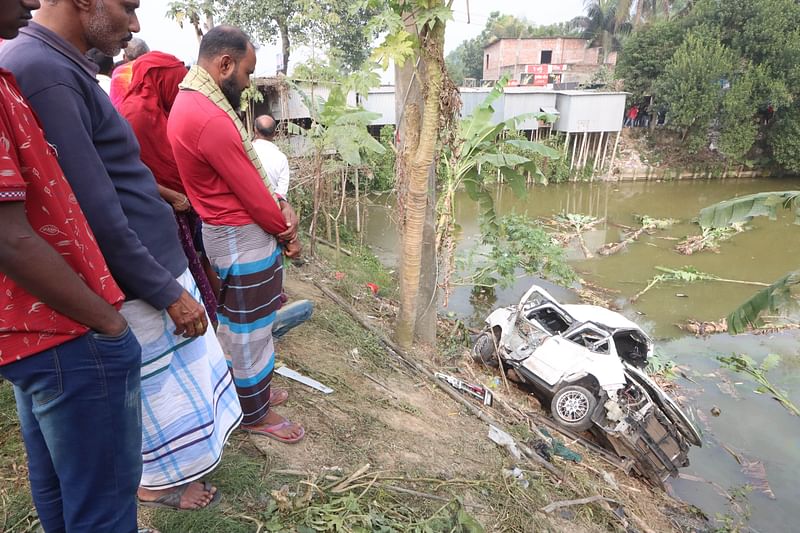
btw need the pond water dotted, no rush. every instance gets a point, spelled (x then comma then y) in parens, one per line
(750, 427)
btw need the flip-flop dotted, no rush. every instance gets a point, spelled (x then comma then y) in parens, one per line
(269, 431)
(172, 500)
(278, 397)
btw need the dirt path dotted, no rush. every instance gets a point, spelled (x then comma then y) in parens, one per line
(431, 466)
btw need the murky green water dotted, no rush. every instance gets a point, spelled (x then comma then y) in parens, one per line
(753, 426)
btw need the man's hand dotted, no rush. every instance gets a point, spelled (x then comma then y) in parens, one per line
(292, 249)
(178, 200)
(115, 325)
(181, 203)
(189, 316)
(291, 222)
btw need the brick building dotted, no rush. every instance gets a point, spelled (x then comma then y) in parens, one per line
(543, 61)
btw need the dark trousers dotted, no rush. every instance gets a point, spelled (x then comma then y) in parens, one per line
(80, 414)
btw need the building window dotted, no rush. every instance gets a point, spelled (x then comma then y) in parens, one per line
(547, 57)
(487, 60)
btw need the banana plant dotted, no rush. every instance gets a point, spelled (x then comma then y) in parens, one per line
(783, 295)
(480, 143)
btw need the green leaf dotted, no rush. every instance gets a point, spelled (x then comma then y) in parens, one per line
(502, 160)
(429, 17)
(743, 209)
(770, 362)
(776, 298)
(467, 522)
(362, 118)
(539, 148)
(396, 47)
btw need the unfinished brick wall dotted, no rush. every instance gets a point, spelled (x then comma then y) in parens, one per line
(509, 56)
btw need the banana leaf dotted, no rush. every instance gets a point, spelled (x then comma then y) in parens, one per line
(776, 298)
(743, 209)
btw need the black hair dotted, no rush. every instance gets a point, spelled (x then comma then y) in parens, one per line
(224, 40)
(266, 131)
(106, 63)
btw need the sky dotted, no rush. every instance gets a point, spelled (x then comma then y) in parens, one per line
(162, 33)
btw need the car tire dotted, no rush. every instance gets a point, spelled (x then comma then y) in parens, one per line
(572, 407)
(484, 350)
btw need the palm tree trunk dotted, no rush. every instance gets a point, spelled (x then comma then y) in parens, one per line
(283, 28)
(416, 199)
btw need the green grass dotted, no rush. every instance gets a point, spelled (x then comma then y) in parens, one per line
(16, 505)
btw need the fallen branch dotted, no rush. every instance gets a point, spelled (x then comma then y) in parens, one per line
(569, 503)
(330, 244)
(342, 486)
(395, 350)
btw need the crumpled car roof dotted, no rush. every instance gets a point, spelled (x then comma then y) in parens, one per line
(599, 315)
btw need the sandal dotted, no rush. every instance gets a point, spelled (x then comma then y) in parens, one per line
(172, 499)
(269, 431)
(278, 397)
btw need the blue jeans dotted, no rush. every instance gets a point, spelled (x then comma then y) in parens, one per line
(290, 316)
(80, 414)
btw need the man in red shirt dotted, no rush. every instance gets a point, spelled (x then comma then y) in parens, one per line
(69, 353)
(245, 225)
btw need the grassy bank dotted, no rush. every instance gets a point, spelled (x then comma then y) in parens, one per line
(387, 451)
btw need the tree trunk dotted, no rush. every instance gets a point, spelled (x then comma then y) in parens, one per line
(198, 31)
(283, 28)
(418, 133)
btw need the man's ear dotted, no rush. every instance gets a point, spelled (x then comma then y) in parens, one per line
(226, 65)
(84, 5)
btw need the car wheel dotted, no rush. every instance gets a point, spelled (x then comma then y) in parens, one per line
(484, 350)
(572, 407)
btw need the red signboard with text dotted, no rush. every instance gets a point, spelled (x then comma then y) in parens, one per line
(540, 80)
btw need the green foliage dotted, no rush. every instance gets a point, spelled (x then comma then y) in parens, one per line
(719, 65)
(744, 208)
(738, 123)
(784, 139)
(645, 55)
(339, 127)
(339, 27)
(691, 85)
(604, 26)
(744, 364)
(381, 165)
(481, 144)
(780, 297)
(517, 244)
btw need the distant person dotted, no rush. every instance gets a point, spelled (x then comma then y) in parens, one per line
(245, 225)
(188, 403)
(105, 64)
(633, 114)
(146, 106)
(121, 77)
(69, 353)
(275, 163)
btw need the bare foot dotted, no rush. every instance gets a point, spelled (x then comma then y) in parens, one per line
(195, 495)
(292, 431)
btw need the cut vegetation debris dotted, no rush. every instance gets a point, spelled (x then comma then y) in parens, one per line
(648, 225)
(572, 226)
(709, 240)
(432, 467)
(688, 274)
